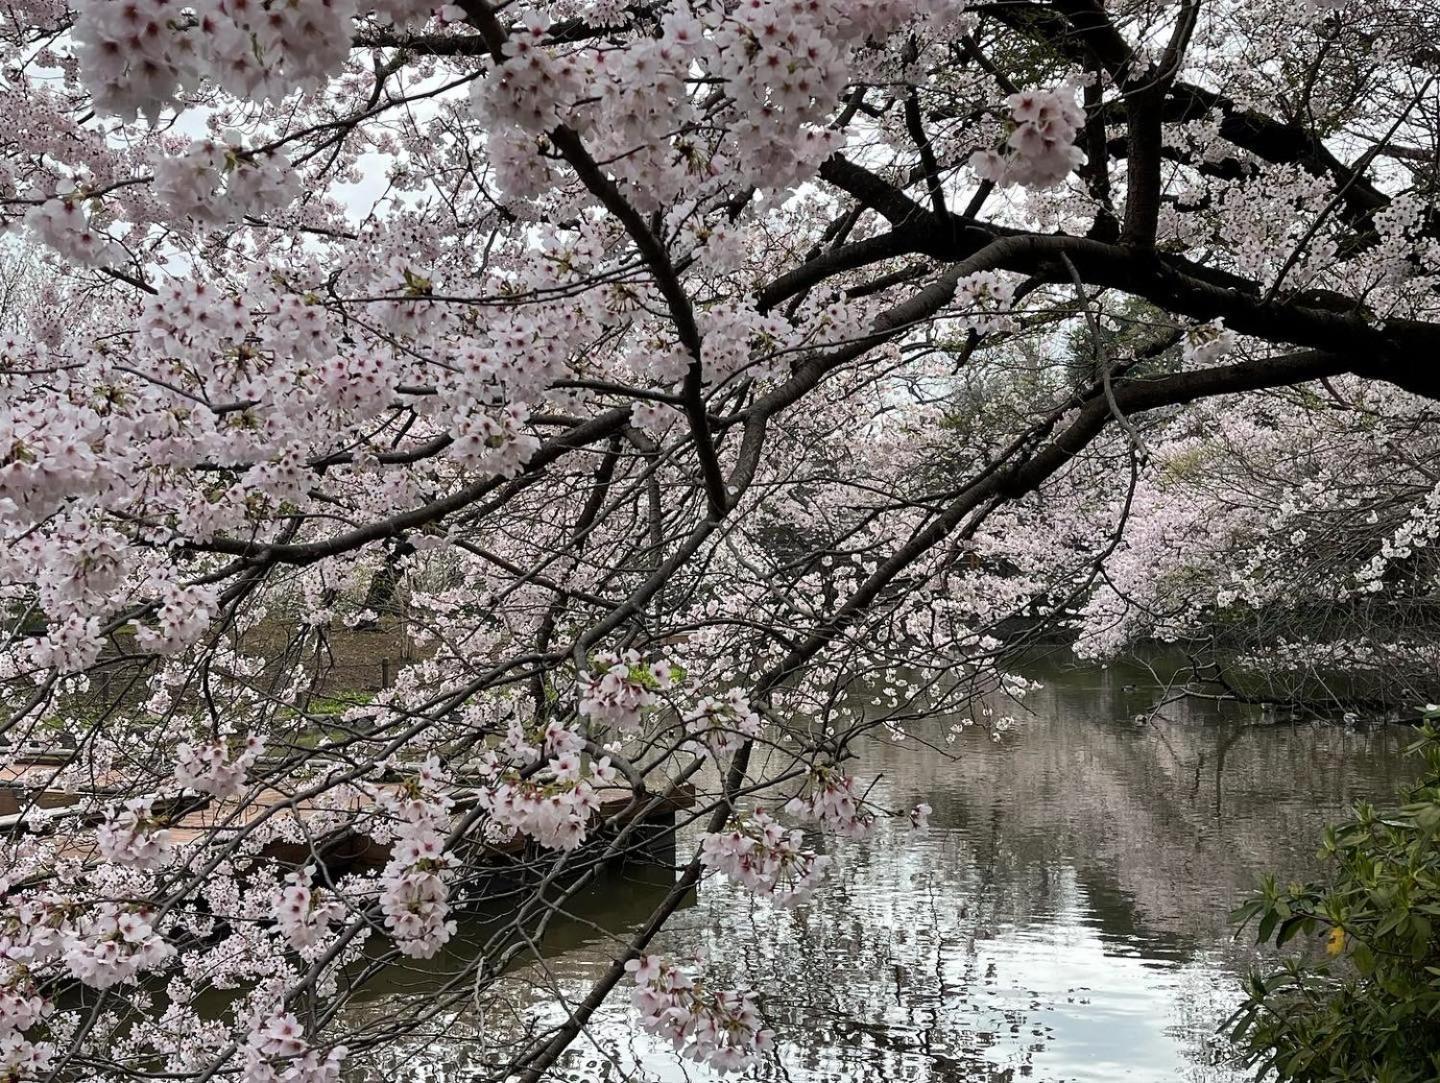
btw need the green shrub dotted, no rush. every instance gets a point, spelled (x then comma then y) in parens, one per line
(1358, 998)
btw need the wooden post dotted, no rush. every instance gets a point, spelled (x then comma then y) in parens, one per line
(384, 673)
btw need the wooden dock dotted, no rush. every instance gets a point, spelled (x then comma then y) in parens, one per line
(31, 803)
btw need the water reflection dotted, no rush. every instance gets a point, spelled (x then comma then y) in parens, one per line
(1064, 918)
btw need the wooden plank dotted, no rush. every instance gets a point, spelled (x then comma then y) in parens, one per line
(345, 847)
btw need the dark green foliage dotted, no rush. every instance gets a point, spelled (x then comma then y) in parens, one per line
(1358, 997)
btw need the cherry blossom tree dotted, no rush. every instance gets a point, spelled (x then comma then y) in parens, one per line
(688, 375)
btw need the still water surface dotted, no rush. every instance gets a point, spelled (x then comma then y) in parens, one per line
(1063, 918)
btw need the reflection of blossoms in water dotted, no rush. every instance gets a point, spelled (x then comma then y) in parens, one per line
(1055, 936)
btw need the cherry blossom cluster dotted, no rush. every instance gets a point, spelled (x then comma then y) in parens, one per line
(215, 182)
(22, 1059)
(733, 330)
(22, 1008)
(1040, 149)
(78, 568)
(32, 932)
(63, 223)
(833, 801)
(985, 299)
(533, 88)
(277, 1051)
(1356, 656)
(1209, 342)
(132, 836)
(51, 456)
(525, 745)
(653, 417)
(305, 912)
(618, 689)
(761, 854)
(217, 767)
(494, 442)
(414, 895)
(113, 944)
(555, 810)
(182, 616)
(68, 646)
(543, 786)
(145, 55)
(781, 63)
(719, 725)
(1420, 529)
(1312, 524)
(720, 1028)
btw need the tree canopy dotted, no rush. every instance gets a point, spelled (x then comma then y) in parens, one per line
(663, 381)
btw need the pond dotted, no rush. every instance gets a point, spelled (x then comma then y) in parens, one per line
(1063, 918)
